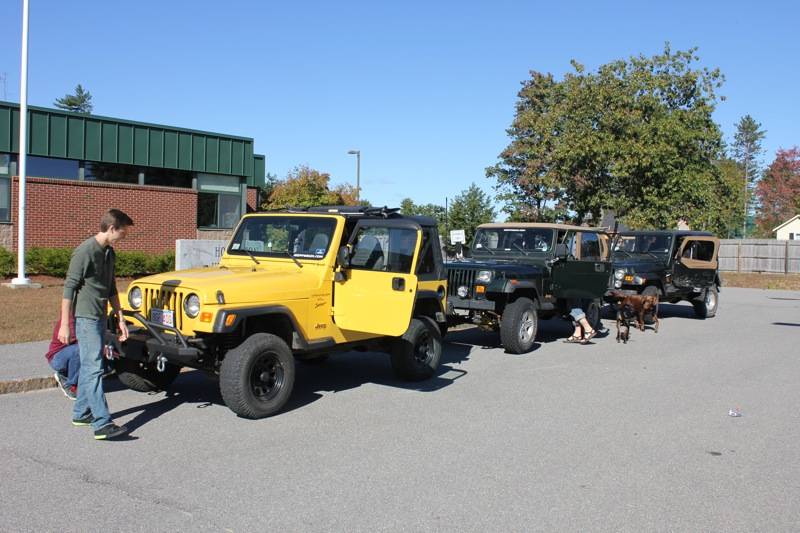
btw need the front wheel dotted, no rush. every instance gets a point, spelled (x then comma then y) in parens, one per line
(256, 377)
(593, 312)
(143, 377)
(518, 326)
(416, 355)
(705, 305)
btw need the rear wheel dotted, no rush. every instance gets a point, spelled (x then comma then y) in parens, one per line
(416, 355)
(705, 305)
(257, 377)
(518, 326)
(143, 377)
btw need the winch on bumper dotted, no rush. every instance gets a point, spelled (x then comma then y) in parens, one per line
(155, 343)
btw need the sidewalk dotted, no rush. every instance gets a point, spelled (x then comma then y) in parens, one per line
(24, 368)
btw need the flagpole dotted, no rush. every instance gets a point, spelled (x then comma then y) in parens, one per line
(21, 280)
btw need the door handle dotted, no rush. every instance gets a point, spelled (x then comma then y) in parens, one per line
(398, 284)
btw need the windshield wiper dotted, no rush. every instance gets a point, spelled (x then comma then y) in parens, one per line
(518, 247)
(484, 250)
(622, 252)
(298, 263)
(248, 252)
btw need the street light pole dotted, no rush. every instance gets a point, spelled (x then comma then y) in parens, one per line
(357, 153)
(21, 280)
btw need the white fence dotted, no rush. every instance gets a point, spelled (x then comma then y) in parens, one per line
(759, 255)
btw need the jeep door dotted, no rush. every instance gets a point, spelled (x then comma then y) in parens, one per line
(696, 262)
(584, 273)
(378, 289)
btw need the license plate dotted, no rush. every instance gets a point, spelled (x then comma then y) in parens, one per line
(164, 317)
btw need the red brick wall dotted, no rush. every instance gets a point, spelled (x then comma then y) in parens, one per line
(252, 198)
(63, 213)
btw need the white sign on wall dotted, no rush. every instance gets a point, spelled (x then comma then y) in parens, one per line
(195, 253)
(457, 235)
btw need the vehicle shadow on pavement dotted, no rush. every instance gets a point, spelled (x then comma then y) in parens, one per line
(350, 370)
(189, 387)
(552, 330)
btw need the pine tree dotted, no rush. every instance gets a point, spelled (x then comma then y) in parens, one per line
(80, 102)
(746, 150)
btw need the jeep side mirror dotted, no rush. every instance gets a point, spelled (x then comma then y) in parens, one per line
(343, 257)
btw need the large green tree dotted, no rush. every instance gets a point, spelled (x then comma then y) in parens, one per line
(746, 150)
(80, 102)
(470, 209)
(437, 212)
(306, 187)
(636, 136)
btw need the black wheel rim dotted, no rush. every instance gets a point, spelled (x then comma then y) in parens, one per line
(266, 377)
(423, 349)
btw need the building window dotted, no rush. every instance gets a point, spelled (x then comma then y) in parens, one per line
(168, 177)
(216, 210)
(50, 167)
(219, 201)
(5, 188)
(112, 172)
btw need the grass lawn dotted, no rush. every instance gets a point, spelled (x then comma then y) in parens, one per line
(787, 282)
(30, 314)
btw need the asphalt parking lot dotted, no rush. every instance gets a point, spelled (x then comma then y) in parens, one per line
(601, 437)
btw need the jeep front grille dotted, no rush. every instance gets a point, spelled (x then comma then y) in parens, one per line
(458, 277)
(163, 299)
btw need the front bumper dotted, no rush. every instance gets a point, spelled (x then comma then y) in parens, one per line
(152, 340)
(454, 302)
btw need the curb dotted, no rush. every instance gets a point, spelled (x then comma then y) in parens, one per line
(27, 385)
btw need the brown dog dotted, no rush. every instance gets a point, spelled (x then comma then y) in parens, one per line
(634, 307)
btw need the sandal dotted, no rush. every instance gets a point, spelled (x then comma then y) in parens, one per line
(589, 336)
(572, 339)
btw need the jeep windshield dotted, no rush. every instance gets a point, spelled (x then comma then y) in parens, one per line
(283, 236)
(646, 244)
(513, 241)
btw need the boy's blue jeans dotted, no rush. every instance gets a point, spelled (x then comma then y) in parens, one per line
(91, 397)
(67, 361)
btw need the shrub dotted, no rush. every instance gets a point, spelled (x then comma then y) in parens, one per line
(55, 262)
(48, 261)
(8, 263)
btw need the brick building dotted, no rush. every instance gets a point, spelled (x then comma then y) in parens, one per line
(174, 182)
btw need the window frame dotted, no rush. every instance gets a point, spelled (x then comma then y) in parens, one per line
(218, 212)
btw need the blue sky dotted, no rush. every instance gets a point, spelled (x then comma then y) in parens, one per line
(424, 89)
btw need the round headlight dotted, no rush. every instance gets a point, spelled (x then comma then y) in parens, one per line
(619, 273)
(617, 284)
(135, 297)
(463, 292)
(484, 276)
(192, 305)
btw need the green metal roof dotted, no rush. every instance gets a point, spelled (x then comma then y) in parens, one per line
(63, 134)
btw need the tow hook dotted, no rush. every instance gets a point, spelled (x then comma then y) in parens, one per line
(161, 363)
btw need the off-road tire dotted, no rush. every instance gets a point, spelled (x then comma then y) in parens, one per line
(594, 313)
(706, 305)
(416, 355)
(519, 325)
(651, 290)
(143, 377)
(256, 378)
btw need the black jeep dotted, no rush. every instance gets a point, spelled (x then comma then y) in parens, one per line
(673, 265)
(520, 272)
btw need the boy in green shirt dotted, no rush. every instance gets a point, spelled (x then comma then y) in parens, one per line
(89, 287)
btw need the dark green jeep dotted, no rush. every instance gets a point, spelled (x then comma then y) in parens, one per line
(673, 265)
(520, 272)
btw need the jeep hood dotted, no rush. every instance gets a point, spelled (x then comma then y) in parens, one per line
(509, 268)
(239, 284)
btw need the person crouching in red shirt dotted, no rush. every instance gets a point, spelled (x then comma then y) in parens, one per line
(65, 359)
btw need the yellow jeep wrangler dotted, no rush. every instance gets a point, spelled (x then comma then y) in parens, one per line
(294, 284)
